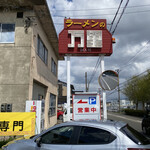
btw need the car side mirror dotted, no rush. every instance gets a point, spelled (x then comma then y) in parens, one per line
(38, 142)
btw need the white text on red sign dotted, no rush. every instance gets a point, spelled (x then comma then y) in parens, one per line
(93, 38)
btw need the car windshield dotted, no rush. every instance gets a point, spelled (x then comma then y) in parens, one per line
(135, 136)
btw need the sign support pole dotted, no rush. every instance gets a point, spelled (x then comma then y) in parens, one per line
(68, 88)
(104, 92)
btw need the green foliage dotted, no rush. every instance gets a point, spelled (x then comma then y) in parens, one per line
(138, 113)
(137, 89)
(5, 141)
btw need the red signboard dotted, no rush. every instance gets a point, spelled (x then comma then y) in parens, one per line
(85, 37)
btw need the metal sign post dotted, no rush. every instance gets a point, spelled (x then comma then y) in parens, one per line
(68, 88)
(104, 93)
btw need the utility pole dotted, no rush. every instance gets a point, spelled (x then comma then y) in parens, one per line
(118, 89)
(86, 86)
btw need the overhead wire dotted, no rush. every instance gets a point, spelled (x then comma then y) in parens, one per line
(122, 84)
(97, 9)
(95, 70)
(126, 82)
(98, 61)
(96, 15)
(120, 17)
(131, 59)
(115, 15)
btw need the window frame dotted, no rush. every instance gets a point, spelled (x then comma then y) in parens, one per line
(42, 51)
(1, 31)
(109, 142)
(70, 138)
(73, 138)
(52, 107)
(53, 67)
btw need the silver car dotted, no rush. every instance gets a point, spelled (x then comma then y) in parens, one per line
(85, 135)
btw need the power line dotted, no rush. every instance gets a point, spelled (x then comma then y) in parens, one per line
(95, 69)
(131, 59)
(134, 6)
(96, 15)
(120, 17)
(127, 81)
(115, 15)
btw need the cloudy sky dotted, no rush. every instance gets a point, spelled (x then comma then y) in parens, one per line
(131, 52)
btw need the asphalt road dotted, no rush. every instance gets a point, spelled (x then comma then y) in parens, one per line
(134, 122)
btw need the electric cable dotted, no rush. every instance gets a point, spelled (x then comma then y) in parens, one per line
(115, 15)
(131, 59)
(94, 71)
(97, 9)
(120, 17)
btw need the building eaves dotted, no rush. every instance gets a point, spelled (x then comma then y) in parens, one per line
(43, 14)
(21, 3)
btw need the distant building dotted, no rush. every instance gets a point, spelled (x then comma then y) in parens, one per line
(62, 92)
(113, 105)
(29, 56)
(126, 103)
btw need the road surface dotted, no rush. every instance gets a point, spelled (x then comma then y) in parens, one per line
(134, 122)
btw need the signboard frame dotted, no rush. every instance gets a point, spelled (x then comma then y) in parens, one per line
(86, 116)
(77, 35)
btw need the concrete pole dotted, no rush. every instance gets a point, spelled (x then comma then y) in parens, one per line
(118, 71)
(86, 86)
(68, 88)
(104, 93)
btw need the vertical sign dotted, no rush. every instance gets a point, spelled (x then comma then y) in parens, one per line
(38, 107)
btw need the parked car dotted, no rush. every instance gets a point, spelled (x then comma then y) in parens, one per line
(146, 122)
(85, 135)
(60, 114)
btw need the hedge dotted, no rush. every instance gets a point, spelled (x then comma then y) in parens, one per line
(138, 113)
(5, 141)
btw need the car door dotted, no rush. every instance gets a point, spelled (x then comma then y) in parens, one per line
(56, 139)
(91, 138)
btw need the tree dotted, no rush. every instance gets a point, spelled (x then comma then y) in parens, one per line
(138, 89)
(131, 90)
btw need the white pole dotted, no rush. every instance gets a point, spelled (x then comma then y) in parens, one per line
(104, 93)
(68, 88)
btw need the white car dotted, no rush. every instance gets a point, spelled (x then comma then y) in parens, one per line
(86, 135)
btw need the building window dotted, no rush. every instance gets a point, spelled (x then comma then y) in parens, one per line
(19, 14)
(42, 51)
(53, 67)
(7, 33)
(52, 105)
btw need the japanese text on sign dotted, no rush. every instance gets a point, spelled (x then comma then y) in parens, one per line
(21, 123)
(86, 106)
(93, 38)
(4, 125)
(91, 23)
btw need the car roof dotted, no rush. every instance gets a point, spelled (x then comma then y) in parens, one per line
(108, 125)
(102, 123)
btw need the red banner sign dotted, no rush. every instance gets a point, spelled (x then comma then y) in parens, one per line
(85, 37)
